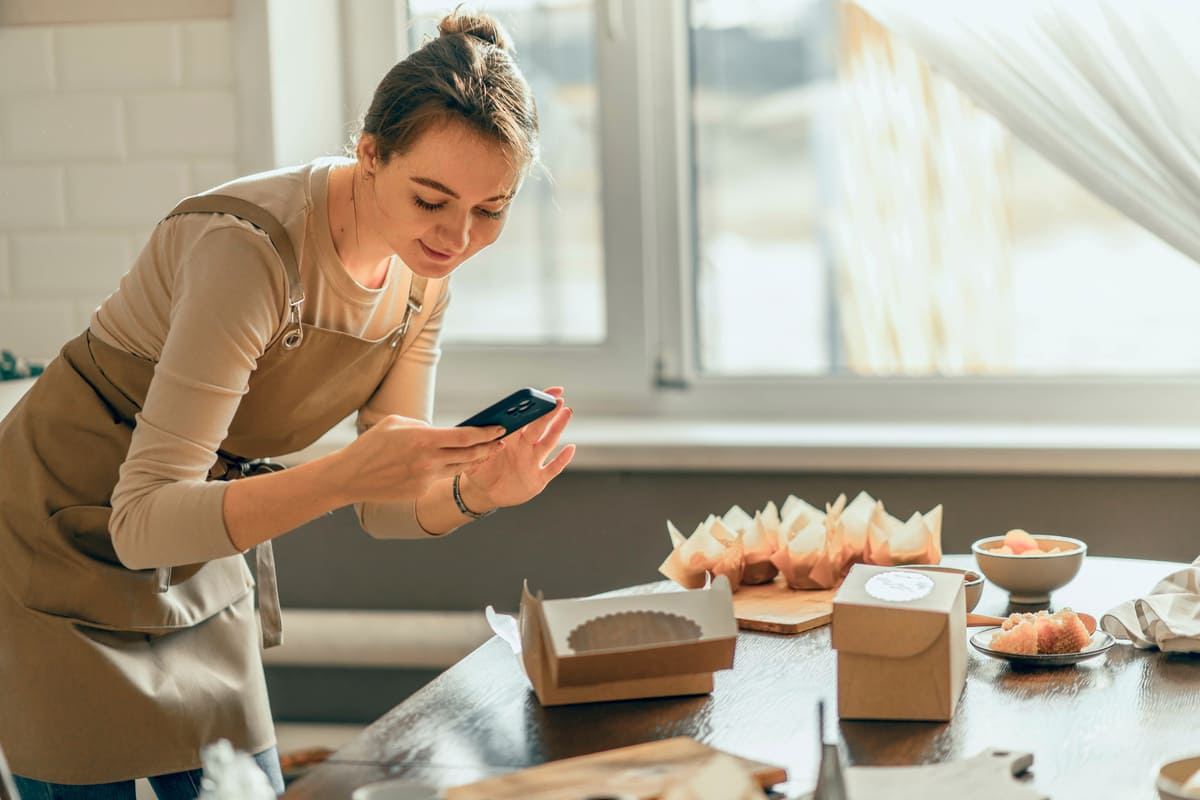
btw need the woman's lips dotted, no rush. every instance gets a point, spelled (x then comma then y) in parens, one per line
(436, 255)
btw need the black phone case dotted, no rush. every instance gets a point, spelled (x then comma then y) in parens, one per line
(515, 411)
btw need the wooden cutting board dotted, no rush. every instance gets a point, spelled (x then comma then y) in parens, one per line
(642, 771)
(987, 776)
(775, 608)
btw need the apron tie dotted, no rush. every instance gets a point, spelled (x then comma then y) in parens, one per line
(270, 615)
(269, 611)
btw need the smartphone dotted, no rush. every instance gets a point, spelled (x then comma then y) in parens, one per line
(515, 411)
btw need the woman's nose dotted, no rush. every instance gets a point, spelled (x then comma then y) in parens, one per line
(456, 235)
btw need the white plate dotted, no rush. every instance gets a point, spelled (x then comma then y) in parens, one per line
(1100, 644)
(397, 789)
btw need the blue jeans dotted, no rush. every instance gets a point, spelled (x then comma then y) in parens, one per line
(175, 786)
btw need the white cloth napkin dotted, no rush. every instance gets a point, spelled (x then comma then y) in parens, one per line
(1168, 618)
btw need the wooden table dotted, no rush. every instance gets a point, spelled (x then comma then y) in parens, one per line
(1097, 730)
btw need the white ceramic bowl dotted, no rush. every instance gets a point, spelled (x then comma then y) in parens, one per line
(1030, 579)
(1172, 776)
(972, 581)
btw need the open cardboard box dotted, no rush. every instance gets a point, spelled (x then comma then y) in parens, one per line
(583, 650)
(899, 657)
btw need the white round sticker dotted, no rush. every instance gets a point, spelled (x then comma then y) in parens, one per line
(899, 587)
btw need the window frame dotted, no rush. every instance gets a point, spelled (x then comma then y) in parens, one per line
(613, 372)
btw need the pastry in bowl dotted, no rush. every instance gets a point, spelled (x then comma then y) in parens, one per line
(1029, 566)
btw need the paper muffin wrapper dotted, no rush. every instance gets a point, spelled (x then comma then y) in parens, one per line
(631, 629)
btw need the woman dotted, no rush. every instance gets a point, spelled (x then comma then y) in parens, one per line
(257, 316)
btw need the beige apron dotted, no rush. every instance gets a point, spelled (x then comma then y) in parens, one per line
(108, 673)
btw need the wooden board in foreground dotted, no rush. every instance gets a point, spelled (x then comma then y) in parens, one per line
(775, 608)
(642, 771)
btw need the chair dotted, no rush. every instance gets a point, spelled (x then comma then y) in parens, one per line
(8, 787)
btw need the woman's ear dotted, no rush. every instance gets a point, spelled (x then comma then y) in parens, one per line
(367, 152)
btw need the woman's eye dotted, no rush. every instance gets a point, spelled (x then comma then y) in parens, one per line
(425, 205)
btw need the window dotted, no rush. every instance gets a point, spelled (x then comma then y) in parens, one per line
(760, 73)
(900, 228)
(560, 298)
(543, 280)
(771, 208)
(1093, 291)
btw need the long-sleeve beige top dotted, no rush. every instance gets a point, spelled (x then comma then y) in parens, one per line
(203, 301)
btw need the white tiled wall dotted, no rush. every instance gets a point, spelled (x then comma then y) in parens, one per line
(103, 128)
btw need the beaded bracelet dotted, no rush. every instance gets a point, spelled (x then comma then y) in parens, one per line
(458, 501)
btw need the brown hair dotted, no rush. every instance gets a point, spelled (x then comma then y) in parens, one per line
(466, 74)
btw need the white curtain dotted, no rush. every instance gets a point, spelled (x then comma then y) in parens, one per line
(1105, 89)
(920, 232)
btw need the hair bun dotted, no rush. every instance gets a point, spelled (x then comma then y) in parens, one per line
(481, 26)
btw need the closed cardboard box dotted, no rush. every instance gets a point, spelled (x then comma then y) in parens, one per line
(901, 644)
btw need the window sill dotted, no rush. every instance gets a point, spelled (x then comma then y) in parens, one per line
(614, 443)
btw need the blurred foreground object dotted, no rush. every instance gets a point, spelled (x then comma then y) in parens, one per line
(232, 775)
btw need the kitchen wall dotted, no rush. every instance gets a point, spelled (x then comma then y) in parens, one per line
(592, 531)
(104, 126)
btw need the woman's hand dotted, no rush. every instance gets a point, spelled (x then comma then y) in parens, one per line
(518, 471)
(400, 458)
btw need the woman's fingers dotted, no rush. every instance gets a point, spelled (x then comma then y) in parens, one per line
(558, 463)
(450, 438)
(534, 430)
(539, 474)
(553, 429)
(467, 455)
(450, 450)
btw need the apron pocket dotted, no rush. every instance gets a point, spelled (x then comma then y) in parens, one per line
(76, 574)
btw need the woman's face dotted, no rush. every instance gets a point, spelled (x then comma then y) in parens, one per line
(443, 200)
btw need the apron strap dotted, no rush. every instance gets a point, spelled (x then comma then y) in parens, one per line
(269, 612)
(265, 221)
(416, 302)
